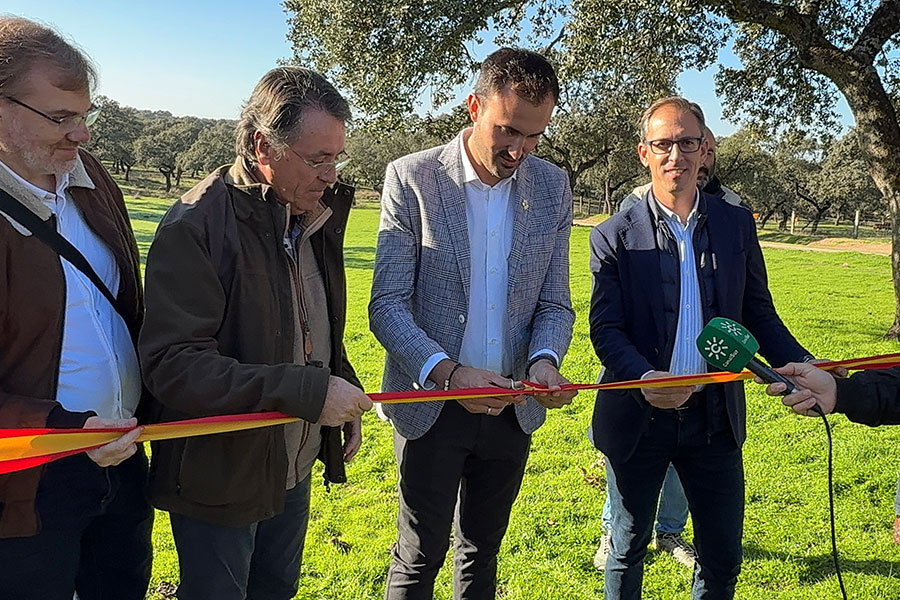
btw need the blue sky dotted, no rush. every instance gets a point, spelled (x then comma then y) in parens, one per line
(202, 58)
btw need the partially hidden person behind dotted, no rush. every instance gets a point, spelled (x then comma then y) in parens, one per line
(246, 305)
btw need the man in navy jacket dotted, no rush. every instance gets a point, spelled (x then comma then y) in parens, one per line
(661, 270)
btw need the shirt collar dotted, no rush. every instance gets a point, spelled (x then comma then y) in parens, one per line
(78, 177)
(669, 214)
(469, 174)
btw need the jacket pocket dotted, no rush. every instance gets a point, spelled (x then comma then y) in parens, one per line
(226, 468)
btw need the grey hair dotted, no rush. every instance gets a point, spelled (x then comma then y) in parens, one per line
(278, 104)
(25, 45)
(677, 102)
(527, 73)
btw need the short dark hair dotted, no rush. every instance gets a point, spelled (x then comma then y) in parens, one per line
(277, 106)
(527, 73)
(25, 45)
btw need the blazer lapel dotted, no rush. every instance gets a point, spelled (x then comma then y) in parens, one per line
(719, 241)
(452, 197)
(640, 239)
(522, 196)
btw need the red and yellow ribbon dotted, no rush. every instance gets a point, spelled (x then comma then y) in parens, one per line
(25, 448)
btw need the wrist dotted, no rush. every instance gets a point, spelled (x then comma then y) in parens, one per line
(449, 379)
(538, 358)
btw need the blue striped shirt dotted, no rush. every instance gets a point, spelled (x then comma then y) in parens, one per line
(686, 358)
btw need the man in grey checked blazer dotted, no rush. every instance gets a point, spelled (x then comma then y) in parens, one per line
(471, 289)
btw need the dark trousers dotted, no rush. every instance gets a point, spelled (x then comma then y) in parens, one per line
(710, 467)
(478, 459)
(94, 535)
(258, 562)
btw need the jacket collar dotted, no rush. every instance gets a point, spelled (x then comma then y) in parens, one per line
(242, 176)
(29, 197)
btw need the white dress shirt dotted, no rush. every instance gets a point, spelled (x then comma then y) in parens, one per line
(490, 216)
(98, 368)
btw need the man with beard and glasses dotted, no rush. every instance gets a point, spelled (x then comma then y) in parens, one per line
(471, 289)
(67, 358)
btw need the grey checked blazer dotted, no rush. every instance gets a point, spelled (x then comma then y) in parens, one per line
(420, 291)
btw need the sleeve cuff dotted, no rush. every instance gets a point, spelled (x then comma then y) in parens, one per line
(548, 352)
(429, 366)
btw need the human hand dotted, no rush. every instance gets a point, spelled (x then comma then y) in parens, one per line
(837, 372)
(343, 402)
(352, 438)
(470, 377)
(118, 451)
(818, 387)
(670, 397)
(545, 373)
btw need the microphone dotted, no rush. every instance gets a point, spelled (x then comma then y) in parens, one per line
(727, 345)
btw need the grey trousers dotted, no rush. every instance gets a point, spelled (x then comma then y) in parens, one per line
(258, 562)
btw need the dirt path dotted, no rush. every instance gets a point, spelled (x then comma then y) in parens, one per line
(829, 245)
(834, 245)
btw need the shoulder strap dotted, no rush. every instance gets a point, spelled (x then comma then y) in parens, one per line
(45, 233)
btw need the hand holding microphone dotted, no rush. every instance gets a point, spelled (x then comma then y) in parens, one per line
(728, 345)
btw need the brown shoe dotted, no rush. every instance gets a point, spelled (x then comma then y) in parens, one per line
(897, 530)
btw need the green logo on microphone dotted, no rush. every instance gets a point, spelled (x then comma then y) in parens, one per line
(726, 345)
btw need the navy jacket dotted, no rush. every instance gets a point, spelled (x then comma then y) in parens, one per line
(629, 329)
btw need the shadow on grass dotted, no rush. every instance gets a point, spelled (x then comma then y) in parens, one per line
(359, 257)
(814, 568)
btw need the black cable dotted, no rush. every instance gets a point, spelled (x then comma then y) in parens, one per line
(834, 550)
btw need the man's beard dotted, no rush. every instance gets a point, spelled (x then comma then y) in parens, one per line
(40, 159)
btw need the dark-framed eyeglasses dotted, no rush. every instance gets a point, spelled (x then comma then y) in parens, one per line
(687, 145)
(70, 122)
(324, 167)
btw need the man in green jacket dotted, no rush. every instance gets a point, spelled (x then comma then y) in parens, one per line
(245, 312)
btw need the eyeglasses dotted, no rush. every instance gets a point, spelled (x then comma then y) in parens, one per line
(324, 167)
(69, 123)
(688, 145)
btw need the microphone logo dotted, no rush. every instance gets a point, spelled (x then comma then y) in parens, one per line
(715, 348)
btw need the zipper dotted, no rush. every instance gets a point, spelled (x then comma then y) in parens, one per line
(303, 317)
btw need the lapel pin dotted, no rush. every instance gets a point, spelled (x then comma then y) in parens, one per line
(525, 205)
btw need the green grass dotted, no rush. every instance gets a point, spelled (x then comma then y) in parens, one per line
(838, 305)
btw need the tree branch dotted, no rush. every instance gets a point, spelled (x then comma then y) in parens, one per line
(555, 41)
(884, 23)
(815, 49)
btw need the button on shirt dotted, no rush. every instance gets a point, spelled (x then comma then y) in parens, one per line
(98, 368)
(490, 217)
(686, 358)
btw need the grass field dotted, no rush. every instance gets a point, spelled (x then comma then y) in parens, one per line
(838, 305)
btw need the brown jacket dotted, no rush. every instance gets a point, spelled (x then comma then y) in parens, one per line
(218, 339)
(32, 306)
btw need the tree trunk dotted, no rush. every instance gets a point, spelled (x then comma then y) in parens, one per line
(178, 173)
(879, 142)
(127, 171)
(764, 218)
(168, 175)
(782, 224)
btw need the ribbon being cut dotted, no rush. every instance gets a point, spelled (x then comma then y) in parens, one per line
(26, 448)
